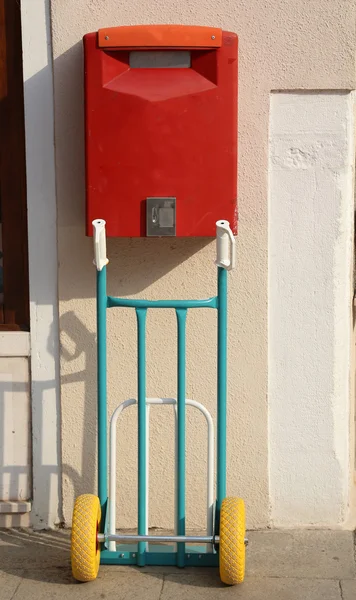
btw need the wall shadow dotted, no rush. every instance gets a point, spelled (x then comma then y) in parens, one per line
(12, 473)
(84, 343)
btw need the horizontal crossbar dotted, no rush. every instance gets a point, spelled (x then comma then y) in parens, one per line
(159, 539)
(137, 303)
(133, 539)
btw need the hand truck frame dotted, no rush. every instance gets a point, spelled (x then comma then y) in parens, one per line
(94, 537)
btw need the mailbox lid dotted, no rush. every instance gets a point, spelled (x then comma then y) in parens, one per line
(159, 36)
(161, 132)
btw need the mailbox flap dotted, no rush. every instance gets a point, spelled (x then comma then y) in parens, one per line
(160, 36)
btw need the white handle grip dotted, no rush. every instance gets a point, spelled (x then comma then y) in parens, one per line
(100, 259)
(225, 246)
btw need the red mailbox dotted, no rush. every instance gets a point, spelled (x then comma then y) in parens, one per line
(161, 129)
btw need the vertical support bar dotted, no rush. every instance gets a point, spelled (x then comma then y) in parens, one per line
(141, 314)
(147, 467)
(101, 305)
(222, 388)
(176, 470)
(181, 324)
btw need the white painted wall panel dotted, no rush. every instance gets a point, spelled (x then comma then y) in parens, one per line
(311, 156)
(43, 263)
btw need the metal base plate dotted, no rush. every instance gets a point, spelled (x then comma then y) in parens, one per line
(160, 555)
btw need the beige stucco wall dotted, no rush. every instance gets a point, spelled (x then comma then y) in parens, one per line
(283, 45)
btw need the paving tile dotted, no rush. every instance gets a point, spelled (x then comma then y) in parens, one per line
(58, 583)
(191, 587)
(281, 565)
(8, 584)
(348, 589)
(309, 553)
(19, 546)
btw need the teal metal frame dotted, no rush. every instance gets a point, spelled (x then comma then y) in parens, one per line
(161, 555)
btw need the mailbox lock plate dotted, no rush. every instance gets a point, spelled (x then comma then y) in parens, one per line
(160, 216)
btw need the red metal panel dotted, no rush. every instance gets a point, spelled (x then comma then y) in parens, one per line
(157, 132)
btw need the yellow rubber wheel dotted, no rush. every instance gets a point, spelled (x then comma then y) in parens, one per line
(85, 550)
(232, 541)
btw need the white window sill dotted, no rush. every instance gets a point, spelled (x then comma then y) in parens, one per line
(14, 343)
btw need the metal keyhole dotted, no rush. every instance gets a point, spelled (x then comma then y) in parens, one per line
(154, 215)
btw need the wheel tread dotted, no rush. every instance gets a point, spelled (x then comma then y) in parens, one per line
(85, 555)
(232, 541)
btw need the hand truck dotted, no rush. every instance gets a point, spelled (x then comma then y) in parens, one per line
(94, 538)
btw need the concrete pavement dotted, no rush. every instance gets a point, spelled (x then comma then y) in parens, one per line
(281, 565)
